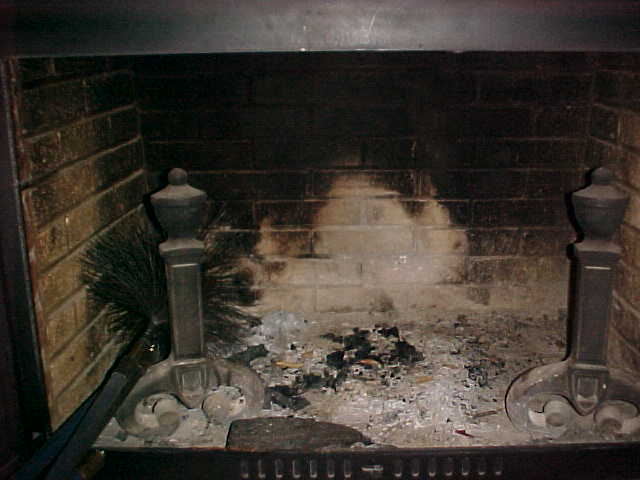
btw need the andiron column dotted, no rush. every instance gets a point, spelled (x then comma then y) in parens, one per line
(583, 391)
(188, 376)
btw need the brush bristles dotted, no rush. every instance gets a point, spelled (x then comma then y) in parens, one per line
(125, 274)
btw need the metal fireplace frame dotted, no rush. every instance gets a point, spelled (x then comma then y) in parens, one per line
(138, 27)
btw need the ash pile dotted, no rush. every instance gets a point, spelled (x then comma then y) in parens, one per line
(342, 363)
(409, 385)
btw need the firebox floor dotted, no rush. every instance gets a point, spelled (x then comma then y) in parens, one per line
(420, 382)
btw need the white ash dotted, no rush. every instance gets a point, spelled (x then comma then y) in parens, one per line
(454, 396)
(458, 386)
(276, 328)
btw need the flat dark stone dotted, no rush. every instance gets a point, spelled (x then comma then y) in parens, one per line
(278, 433)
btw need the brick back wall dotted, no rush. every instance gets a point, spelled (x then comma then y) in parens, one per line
(81, 172)
(615, 142)
(368, 182)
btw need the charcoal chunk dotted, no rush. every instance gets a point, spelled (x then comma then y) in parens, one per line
(389, 332)
(247, 356)
(285, 397)
(333, 337)
(356, 340)
(336, 359)
(406, 353)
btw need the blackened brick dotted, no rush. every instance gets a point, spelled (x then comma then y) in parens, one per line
(514, 271)
(271, 122)
(238, 186)
(69, 186)
(286, 214)
(472, 184)
(50, 244)
(124, 126)
(513, 213)
(105, 93)
(51, 106)
(495, 271)
(630, 240)
(81, 388)
(630, 130)
(99, 211)
(33, 69)
(70, 362)
(558, 154)
(256, 122)
(364, 88)
(361, 121)
(600, 153)
(604, 123)
(117, 164)
(280, 153)
(48, 199)
(282, 185)
(80, 65)
(496, 88)
(619, 89)
(163, 65)
(628, 170)
(335, 153)
(537, 88)
(505, 153)
(625, 321)
(177, 126)
(225, 186)
(493, 242)
(123, 198)
(528, 153)
(442, 87)
(562, 122)
(199, 155)
(63, 279)
(618, 60)
(445, 152)
(192, 93)
(525, 61)
(544, 241)
(243, 242)
(234, 214)
(553, 183)
(290, 88)
(486, 122)
(84, 138)
(41, 155)
(627, 284)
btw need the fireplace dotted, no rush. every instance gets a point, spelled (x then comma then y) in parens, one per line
(364, 184)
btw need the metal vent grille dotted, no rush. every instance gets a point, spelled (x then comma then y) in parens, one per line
(330, 468)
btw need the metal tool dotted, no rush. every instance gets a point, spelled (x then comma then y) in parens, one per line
(187, 376)
(583, 391)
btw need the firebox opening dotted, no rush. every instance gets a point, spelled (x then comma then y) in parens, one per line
(424, 191)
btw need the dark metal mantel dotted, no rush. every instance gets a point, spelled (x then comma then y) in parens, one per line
(98, 27)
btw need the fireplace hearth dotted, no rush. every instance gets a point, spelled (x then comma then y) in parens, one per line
(421, 190)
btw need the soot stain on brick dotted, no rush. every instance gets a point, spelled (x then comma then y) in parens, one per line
(401, 182)
(383, 303)
(274, 268)
(413, 209)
